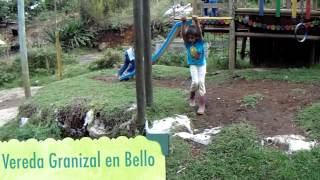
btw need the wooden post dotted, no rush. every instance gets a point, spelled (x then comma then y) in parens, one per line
(140, 81)
(48, 66)
(59, 54)
(147, 52)
(23, 49)
(232, 42)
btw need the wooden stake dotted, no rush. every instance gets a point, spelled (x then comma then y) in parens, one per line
(59, 54)
(23, 49)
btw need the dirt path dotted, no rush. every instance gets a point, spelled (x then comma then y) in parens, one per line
(10, 100)
(273, 115)
(89, 57)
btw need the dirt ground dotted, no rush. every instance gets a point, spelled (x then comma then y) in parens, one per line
(273, 115)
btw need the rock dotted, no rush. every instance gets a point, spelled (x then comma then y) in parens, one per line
(98, 129)
(23, 121)
(89, 118)
(102, 46)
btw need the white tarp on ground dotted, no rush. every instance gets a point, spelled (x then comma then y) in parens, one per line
(204, 138)
(179, 10)
(180, 125)
(170, 125)
(292, 142)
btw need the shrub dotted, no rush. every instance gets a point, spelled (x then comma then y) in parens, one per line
(109, 60)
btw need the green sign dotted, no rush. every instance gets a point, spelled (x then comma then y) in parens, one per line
(121, 158)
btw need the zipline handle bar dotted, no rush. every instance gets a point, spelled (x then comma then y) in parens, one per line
(208, 18)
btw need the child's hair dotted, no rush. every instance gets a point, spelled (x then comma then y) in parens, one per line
(192, 30)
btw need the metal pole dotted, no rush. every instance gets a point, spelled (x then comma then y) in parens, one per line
(140, 82)
(147, 52)
(23, 49)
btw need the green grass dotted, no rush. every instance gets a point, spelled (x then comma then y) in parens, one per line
(236, 154)
(300, 75)
(41, 79)
(40, 131)
(250, 101)
(161, 71)
(180, 153)
(309, 120)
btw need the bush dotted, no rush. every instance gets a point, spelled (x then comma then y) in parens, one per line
(109, 60)
(6, 74)
(42, 60)
(3, 50)
(38, 59)
(173, 59)
(217, 60)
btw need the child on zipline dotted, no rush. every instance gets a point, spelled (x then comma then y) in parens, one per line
(128, 69)
(193, 40)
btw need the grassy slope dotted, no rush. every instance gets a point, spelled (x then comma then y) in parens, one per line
(111, 99)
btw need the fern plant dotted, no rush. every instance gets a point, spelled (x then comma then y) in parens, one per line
(72, 35)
